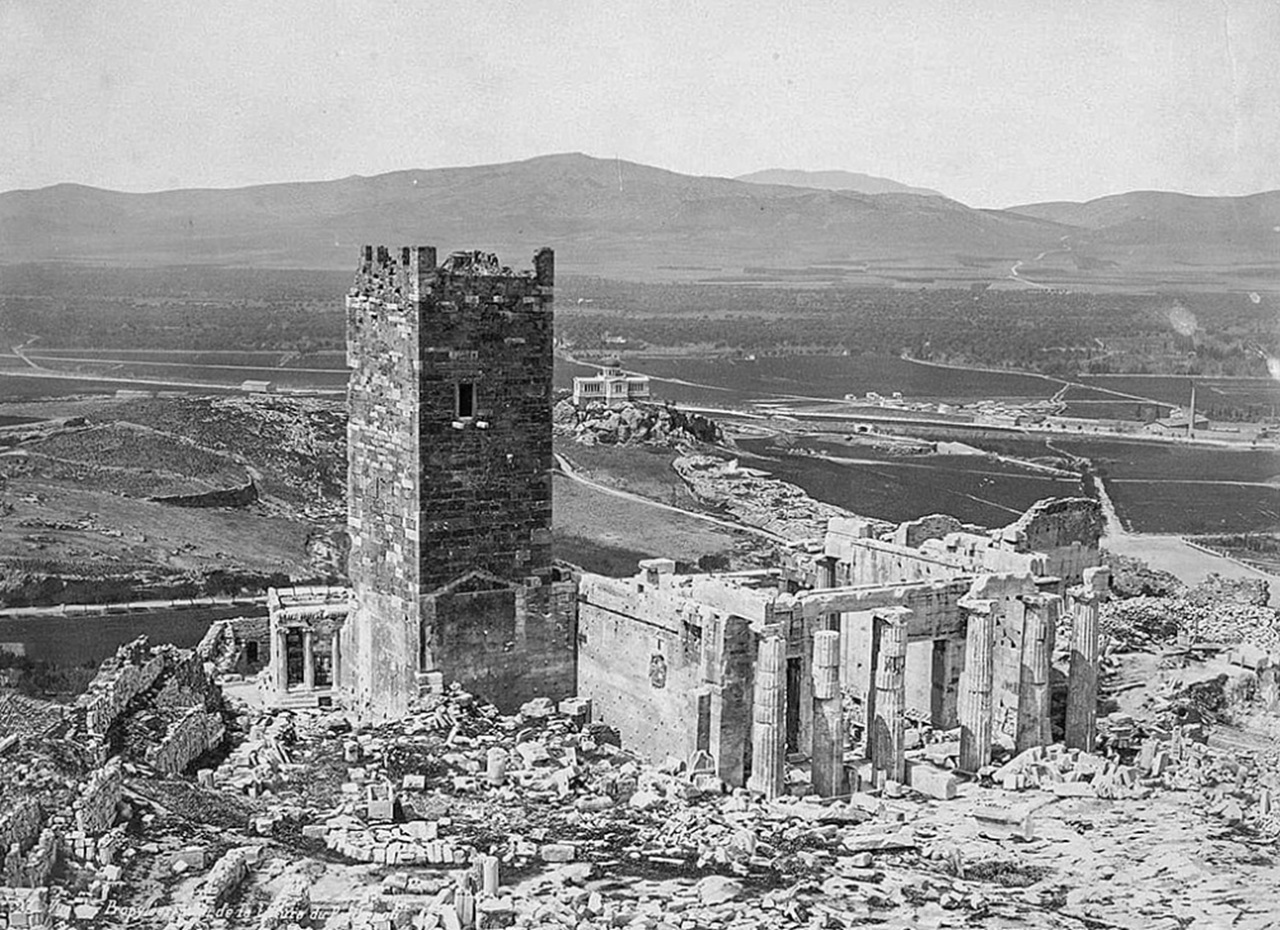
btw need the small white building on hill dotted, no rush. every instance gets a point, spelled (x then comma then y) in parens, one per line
(611, 386)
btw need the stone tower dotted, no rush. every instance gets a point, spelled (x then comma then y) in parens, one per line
(449, 480)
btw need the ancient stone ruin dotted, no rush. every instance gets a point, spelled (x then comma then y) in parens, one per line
(957, 630)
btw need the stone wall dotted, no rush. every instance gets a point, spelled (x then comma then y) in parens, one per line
(131, 671)
(380, 642)
(241, 496)
(977, 553)
(185, 682)
(32, 869)
(194, 734)
(673, 675)
(1066, 530)
(21, 825)
(914, 532)
(1055, 538)
(95, 808)
(510, 642)
(873, 562)
(1008, 592)
(227, 645)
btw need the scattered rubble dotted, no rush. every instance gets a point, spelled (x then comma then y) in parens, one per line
(755, 498)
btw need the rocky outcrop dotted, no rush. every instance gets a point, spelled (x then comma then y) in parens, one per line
(653, 424)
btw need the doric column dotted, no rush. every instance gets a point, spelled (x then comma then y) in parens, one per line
(888, 725)
(335, 657)
(769, 719)
(1082, 676)
(975, 708)
(828, 717)
(308, 660)
(1042, 612)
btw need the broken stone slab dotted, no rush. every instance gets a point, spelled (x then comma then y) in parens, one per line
(942, 753)
(538, 709)
(557, 852)
(718, 889)
(1001, 822)
(932, 781)
(867, 842)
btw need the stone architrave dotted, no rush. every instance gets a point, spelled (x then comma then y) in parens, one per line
(769, 719)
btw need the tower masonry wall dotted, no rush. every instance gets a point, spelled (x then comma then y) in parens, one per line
(449, 446)
(486, 500)
(383, 479)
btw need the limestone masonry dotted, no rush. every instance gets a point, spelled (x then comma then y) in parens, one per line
(449, 445)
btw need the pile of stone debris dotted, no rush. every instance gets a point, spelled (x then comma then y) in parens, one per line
(471, 818)
(1210, 612)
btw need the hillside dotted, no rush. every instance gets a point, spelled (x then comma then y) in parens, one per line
(604, 216)
(835, 181)
(1180, 227)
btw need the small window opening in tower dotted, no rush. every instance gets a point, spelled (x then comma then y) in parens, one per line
(466, 400)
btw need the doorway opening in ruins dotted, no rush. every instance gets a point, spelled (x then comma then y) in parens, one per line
(324, 669)
(294, 662)
(794, 670)
(938, 683)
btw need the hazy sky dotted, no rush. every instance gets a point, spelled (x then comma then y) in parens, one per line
(993, 102)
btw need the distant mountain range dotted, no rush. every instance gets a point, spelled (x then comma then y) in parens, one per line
(1179, 226)
(834, 181)
(611, 217)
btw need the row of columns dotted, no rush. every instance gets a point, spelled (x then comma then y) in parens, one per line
(886, 705)
(886, 713)
(280, 658)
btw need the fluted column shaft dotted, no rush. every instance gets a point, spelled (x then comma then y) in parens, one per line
(769, 719)
(828, 716)
(1042, 612)
(1082, 675)
(975, 708)
(887, 727)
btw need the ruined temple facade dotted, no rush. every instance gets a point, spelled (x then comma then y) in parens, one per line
(449, 482)
(947, 624)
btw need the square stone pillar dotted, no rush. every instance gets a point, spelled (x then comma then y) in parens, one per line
(308, 660)
(280, 660)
